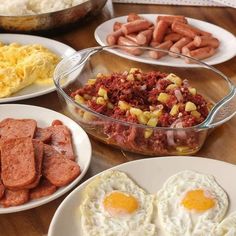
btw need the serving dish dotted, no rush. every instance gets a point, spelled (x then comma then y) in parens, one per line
(35, 90)
(44, 118)
(155, 171)
(86, 64)
(226, 50)
(51, 20)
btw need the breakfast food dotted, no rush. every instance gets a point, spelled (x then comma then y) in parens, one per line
(172, 29)
(191, 203)
(114, 205)
(23, 65)
(150, 99)
(31, 7)
(227, 227)
(28, 170)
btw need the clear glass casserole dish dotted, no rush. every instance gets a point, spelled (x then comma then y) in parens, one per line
(145, 138)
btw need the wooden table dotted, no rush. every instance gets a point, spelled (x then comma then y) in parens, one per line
(221, 144)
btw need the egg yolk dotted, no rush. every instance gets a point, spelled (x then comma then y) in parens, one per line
(119, 204)
(197, 200)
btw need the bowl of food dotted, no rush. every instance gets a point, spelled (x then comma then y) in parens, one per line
(140, 107)
(35, 15)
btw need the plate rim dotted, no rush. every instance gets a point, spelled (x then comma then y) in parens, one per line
(136, 58)
(44, 91)
(117, 167)
(67, 188)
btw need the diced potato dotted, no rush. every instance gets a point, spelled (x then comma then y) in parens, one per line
(103, 93)
(133, 70)
(91, 81)
(130, 77)
(100, 75)
(138, 76)
(190, 106)
(152, 122)
(142, 119)
(171, 87)
(100, 101)
(135, 111)
(174, 79)
(79, 99)
(148, 133)
(123, 105)
(163, 97)
(88, 116)
(156, 113)
(110, 105)
(182, 149)
(174, 110)
(196, 114)
(193, 91)
(147, 114)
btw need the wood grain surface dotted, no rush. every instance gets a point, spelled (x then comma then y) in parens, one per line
(221, 144)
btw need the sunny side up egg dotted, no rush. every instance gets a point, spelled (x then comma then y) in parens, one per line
(190, 204)
(227, 227)
(114, 205)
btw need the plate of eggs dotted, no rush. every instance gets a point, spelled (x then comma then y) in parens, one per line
(163, 196)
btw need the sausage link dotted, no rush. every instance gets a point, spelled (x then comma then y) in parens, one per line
(171, 19)
(174, 37)
(133, 16)
(117, 25)
(201, 41)
(135, 26)
(177, 47)
(144, 37)
(184, 29)
(157, 54)
(187, 48)
(160, 31)
(113, 37)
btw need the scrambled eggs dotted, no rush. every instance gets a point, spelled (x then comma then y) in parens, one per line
(22, 65)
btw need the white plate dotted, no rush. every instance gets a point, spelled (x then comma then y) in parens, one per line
(44, 117)
(35, 90)
(226, 50)
(150, 174)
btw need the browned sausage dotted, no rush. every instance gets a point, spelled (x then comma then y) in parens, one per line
(113, 37)
(171, 19)
(201, 53)
(174, 37)
(202, 41)
(154, 44)
(14, 198)
(18, 155)
(184, 29)
(58, 169)
(189, 47)
(61, 140)
(157, 54)
(177, 47)
(135, 26)
(38, 155)
(144, 37)
(117, 25)
(132, 37)
(160, 31)
(45, 188)
(122, 41)
(133, 16)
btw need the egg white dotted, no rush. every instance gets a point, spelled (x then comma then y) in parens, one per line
(96, 221)
(227, 227)
(175, 219)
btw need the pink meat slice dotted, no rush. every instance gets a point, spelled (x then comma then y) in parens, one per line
(17, 128)
(61, 140)
(57, 168)
(17, 163)
(38, 155)
(43, 134)
(45, 188)
(14, 197)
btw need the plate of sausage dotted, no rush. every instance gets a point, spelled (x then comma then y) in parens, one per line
(44, 154)
(179, 34)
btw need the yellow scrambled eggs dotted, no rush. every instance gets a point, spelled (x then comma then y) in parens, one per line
(22, 65)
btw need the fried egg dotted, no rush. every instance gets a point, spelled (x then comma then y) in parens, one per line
(227, 227)
(114, 205)
(190, 203)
